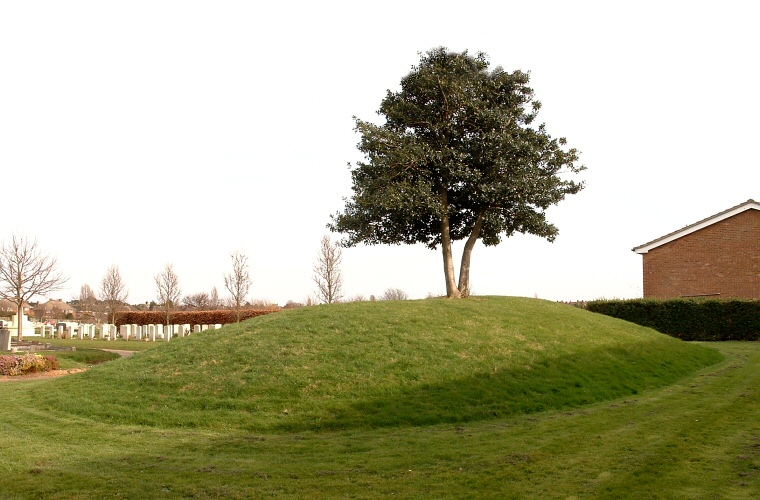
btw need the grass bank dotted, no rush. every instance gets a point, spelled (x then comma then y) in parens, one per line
(382, 364)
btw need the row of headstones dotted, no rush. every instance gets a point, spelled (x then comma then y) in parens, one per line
(136, 332)
(151, 332)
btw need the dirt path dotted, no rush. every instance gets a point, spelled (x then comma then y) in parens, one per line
(37, 375)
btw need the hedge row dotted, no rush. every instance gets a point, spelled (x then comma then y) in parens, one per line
(689, 319)
(187, 317)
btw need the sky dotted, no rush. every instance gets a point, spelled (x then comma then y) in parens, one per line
(147, 133)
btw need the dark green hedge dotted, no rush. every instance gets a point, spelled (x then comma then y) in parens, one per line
(689, 319)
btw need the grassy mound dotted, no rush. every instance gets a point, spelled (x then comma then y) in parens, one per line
(381, 364)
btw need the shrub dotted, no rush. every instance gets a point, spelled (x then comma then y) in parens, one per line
(51, 363)
(27, 363)
(689, 319)
(188, 317)
(394, 294)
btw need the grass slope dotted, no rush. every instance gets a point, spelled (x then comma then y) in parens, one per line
(381, 364)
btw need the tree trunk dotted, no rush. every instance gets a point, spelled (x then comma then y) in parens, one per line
(464, 270)
(448, 260)
(20, 320)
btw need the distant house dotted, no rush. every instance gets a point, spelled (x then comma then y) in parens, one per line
(56, 309)
(6, 306)
(716, 257)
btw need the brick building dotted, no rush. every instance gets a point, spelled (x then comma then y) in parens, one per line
(716, 257)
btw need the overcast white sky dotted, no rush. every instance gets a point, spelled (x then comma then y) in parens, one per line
(142, 133)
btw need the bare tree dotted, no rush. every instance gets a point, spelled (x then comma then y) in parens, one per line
(112, 291)
(394, 294)
(86, 301)
(213, 300)
(167, 284)
(238, 282)
(199, 301)
(327, 274)
(262, 304)
(25, 272)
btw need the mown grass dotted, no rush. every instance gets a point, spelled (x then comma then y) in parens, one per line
(85, 356)
(687, 431)
(122, 345)
(697, 438)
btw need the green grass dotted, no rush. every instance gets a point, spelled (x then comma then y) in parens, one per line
(122, 345)
(635, 414)
(85, 356)
(386, 364)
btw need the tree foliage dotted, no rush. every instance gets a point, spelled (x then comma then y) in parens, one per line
(458, 158)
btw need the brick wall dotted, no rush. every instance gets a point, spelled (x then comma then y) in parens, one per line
(723, 258)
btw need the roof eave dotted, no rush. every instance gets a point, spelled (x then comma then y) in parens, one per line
(747, 205)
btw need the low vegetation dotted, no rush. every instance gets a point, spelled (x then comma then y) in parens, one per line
(706, 319)
(489, 398)
(21, 364)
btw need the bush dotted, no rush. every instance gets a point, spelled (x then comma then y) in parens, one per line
(28, 363)
(689, 319)
(188, 317)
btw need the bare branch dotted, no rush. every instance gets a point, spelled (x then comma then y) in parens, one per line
(25, 272)
(238, 282)
(167, 284)
(327, 275)
(113, 291)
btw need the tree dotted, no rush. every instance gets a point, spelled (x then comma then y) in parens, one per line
(456, 159)
(86, 301)
(394, 294)
(199, 301)
(327, 273)
(167, 284)
(213, 300)
(238, 282)
(25, 272)
(113, 291)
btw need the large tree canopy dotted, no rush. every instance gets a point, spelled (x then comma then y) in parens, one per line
(457, 158)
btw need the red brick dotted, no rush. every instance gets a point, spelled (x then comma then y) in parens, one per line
(722, 259)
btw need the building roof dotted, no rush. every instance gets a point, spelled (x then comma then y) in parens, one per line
(58, 304)
(7, 305)
(743, 207)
